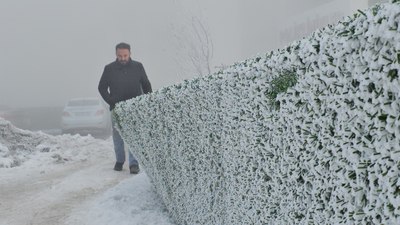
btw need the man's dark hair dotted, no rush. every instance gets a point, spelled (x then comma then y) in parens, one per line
(123, 45)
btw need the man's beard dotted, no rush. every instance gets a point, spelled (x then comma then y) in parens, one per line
(123, 62)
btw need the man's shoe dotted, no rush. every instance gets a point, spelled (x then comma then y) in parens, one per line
(134, 169)
(118, 166)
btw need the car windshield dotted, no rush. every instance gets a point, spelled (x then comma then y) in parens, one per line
(84, 102)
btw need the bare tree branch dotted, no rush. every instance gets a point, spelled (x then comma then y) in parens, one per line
(194, 46)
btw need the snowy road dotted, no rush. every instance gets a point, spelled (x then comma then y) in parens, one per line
(30, 196)
(69, 179)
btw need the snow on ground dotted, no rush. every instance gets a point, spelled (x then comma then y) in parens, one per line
(68, 179)
(130, 202)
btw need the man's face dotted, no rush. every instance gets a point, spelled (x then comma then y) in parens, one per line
(123, 55)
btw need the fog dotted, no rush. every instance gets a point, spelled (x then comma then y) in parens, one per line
(52, 51)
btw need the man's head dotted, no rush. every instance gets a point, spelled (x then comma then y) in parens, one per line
(123, 52)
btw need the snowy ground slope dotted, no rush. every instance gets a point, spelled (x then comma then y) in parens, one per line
(123, 206)
(68, 179)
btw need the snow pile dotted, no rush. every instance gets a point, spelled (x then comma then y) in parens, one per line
(131, 202)
(306, 134)
(19, 146)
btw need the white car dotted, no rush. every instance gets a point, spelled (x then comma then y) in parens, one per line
(86, 116)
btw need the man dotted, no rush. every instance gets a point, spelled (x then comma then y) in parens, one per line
(123, 79)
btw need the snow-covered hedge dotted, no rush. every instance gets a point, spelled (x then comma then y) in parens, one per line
(308, 134)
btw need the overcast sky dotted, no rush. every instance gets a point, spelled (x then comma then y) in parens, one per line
(54, 50)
